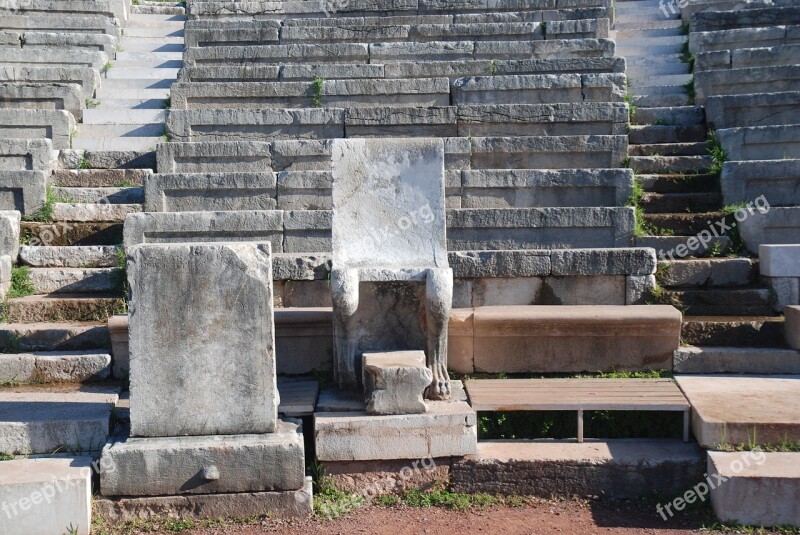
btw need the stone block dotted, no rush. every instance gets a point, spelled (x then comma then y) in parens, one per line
(779, 260)
(447, 429)
(231, 73)
(216, 157)
(757, 488)
(226, 33)
(180, 227)
(24, 191)
(776, 180)
(764, 57)
(746, 81)
(303, 340)
(220, 374)
(332, 71)
(527, 339)
(210, 192)
(53, 57)
(760, 109)
(549, 49)
(784, 291)
(539, 228)
(635, 261)
(585, 290)
(9, 233)
(503, 264)
(764, 225)
(394, 382)
(55, 125)
(281, 504)
(539, 89)
(638, 288)
(307, 231)
(38, 96)
(760, 142)
(275, 54)
(45, 496)
(27, 154)
(550, 152)
(398, 121)
(87, 77)
(166, 466)
(752, 360)
(792, 326)
(5, 275)
(538, 188)
(304, 190)
(118, 331)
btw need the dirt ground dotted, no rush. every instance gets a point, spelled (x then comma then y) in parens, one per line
(541, 517)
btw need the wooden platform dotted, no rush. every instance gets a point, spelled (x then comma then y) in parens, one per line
(579, 395)
(298, 396)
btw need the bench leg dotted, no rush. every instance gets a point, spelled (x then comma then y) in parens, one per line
(580, 425)
(686, 417)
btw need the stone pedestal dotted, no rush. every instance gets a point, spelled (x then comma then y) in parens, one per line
(395, 382)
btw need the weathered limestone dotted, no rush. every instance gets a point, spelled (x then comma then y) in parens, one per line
(55, 418)
(110, 8)
(732, 39)
(539, 89)
(88, 78)
(56, 125)
(118, 332)
(536, 188)
(776, 226)
(746, 81)
(204, 464)
(562, 119)
(524, 339)
(210, 192)
(748, 57)
(217, 157)
(24, 191)
(617, 469)
(74, 41)
(171, 227)
(40, 96)
(757, 489)
(9, 234)
(396, 121)
(553, 152)
(389, 225)
(5, 275)
(724, 19)
(76, 23)
(27, 154)
(46, 495)
(731, 409)
(762, 109)
(776, 180)
(312, 53)
(220, 377)
(691, 359)
(779, 260)
(227, 33)
(48, 57)
(395, 382)
(760, 142)
(792, 314)
(447, 429)
(55, 367)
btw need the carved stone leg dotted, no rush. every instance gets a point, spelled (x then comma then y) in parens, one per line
(438, 304)
(344, 289)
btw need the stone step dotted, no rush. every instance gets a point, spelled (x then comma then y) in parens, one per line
(732, 409)
(666, 203)
(70, 506)
(665, 80)
(669, 149)
(679, 116)
(628, 49)
(640, 71)
(746, 81)
(71, 419)
(106, 93)
(74, 280)
(693, 359)
(679, 183)
(684, 246)
(71, 234)
(639, 34)
(120, 144)
(163, 59)
(721, 302)
(671, 164)
(747, 331)
(651, 134)
(111, 84)
(143, 72)
(655, 23)
(70, 257)
(158, 32)
(54, 367)
(645, 88)
(93, 160)
(653, 101)
(153, 8)
(99, 178)
(57, 336)
(126, 195)
(155, 21)
(539, 89)
(122, 117)
(64, 308)
(714, 272)
(685, 224)
(610, 468)
(161, 43)
(119, 104)
(90, 212)
(741, 500)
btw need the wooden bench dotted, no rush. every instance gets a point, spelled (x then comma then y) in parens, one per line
(579, 395)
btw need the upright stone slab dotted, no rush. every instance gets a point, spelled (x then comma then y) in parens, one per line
(9, 234)
(202, 340)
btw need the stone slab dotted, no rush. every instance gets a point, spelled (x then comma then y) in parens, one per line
(55, 125)
(792, 314)
(757, 488)
(286, 504)
(27, 154)
(5, 275)
(772, 226)
(166, 466)
(217, 157)
(527, 339)
(388, 199)
(46, 496)
(776, 180)
(730, 409)
(447, 429)
(118, 332)
(760, 109)
(779, 260)
(614, 469)
(375, 478)
(178, 227)
(55, 367)
(44, 420)
(760, 142)
(9, 234)
(24, 191)
(756, 360)
(68, 97)
(219, 377)
(86, 77)
(210, 192)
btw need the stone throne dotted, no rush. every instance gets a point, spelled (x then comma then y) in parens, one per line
(389, 227)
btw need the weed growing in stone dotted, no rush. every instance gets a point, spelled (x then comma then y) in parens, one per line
(21, 285)
(45, 213)
(316, 88)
